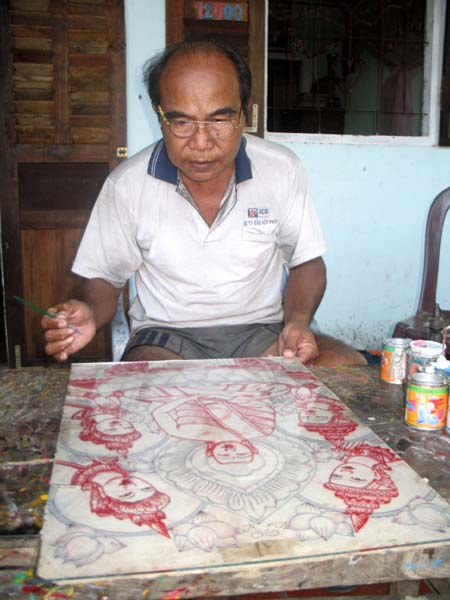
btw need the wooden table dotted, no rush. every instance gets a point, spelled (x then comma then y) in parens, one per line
(31, 401)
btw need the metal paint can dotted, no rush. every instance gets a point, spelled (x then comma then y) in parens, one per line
(421, 354)
(426, 401)
(393, 360)
(447, 426)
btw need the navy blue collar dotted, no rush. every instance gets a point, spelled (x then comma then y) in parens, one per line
(161, 167)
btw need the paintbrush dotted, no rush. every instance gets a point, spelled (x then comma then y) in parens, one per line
(42, 311)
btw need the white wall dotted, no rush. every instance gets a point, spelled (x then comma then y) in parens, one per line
(372, 201)
(145, 23)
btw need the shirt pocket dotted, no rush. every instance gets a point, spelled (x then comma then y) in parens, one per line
(261, 234)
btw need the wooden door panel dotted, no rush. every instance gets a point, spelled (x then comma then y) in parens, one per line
(48, 256)
(63, 68)
(60, 186)
(55, 202)
(63, 63)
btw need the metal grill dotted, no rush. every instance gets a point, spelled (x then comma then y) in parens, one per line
(346, 67)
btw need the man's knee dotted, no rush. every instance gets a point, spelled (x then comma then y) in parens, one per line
(334, 352)
(147, 353)
(272, 350)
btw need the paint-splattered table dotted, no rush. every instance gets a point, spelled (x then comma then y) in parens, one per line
(31, 402)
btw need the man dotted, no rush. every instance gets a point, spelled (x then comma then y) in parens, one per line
(206, 218)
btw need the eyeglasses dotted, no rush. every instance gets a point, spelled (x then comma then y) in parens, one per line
(183, 128)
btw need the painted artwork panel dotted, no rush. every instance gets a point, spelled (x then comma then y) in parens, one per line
(201, 464)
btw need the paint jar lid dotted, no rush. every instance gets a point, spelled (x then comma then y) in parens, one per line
(397, 342)
(431, 379)
(426, 348)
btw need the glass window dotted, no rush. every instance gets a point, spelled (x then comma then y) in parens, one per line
(349, 67)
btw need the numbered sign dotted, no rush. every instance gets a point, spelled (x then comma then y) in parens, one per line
(219, 11)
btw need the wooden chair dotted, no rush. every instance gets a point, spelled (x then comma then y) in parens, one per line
(120, 330)
(430, 319)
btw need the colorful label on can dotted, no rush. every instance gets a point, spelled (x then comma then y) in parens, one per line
(393, 364)
(447, 427)
(426, 407)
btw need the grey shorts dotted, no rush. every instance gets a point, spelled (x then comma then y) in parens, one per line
(231, 341)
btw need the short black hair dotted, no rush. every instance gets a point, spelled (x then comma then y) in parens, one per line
(154, 68)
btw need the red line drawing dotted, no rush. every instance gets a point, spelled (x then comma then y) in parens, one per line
(362, 481)
(323, 415)
(115, 492)
(226, 425)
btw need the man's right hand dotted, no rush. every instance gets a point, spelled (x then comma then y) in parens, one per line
(72, 329)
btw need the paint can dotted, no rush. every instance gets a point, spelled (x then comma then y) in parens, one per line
(421, 354)
(393, 360)
(426, 401)
(447, 425)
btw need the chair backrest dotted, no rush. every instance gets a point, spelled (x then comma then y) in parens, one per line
(433, 236)
(120, 329)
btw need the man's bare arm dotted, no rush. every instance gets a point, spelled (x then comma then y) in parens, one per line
(102, 297)
(304, 290)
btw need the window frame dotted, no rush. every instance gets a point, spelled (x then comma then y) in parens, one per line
(433, 62)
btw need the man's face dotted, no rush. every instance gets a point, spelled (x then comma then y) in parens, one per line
(201, 87)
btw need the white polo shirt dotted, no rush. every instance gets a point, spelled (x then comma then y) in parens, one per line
(187, 273)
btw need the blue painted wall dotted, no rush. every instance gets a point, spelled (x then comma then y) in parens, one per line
(372, 201)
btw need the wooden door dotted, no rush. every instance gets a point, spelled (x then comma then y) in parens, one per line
(64, 126)
(239, 24)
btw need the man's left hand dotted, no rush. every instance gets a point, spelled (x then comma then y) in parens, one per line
(297, 341)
